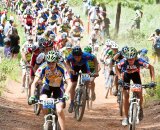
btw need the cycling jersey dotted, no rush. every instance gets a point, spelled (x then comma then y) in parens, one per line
(23, 49)
(29, 20)
(91, 65)
(53, 79)
(66, 52)
(84, 60)
(125, 67)
(53, 19)
(65, 28)
(40, 29)
(61, 43)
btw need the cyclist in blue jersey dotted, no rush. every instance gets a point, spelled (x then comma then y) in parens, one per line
(53, 84)
(76, 61)
(129, 69)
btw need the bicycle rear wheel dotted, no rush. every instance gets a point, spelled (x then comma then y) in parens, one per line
(120, 100)
(37, 108)
(89, 101)
(133, 116)
(80, 104)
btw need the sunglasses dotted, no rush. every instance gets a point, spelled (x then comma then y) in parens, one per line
(51, 63)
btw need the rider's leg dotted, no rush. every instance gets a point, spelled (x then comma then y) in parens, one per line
(61, 116)
(93, 88)
(126, 102)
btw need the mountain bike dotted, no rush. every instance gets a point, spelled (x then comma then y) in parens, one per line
(36, 107)
(134, 108)
(27, 81)
(81, 95)
(120, 99)
(51, 119)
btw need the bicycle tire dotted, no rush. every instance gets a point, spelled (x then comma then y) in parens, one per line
(121, 101)
(89, 101)
(48, 126)
(37, 108)
(132, 125)
(80, 108)
(27, 87)
(110, 85)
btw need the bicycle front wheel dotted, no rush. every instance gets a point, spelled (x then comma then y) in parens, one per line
(133, 116)
(120, 96)
(80, 104)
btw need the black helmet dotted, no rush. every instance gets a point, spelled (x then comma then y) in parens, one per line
(77, 51)
(157, 31)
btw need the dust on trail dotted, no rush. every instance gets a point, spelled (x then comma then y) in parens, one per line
(15, 114)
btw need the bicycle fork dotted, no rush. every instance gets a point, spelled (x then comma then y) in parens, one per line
(132, 102)
(50, 118)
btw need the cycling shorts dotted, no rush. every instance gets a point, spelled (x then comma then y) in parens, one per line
(135, 77)
(83, 68)
(55, 92)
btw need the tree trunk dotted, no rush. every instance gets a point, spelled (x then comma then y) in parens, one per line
(157, 1)
(118, 14)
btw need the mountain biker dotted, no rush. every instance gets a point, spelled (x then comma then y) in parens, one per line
(105, 50)
(143, 55)
(29, 21)
(26, 53)
(77, 61)
(77, 19)
(91, 64)
(116, 58)
(65, 27)
(130, 67)
(113, 51)
(62, 41)
(53, 83)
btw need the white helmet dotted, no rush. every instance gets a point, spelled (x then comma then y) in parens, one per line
(40, 58)
(96, 27)
(77, 24)
(114, 45)
(11, 18)
(108, 42)
(41, 20)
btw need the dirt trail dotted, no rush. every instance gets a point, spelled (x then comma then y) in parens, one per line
(15, 114)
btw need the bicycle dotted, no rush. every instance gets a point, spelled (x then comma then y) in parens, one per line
(51, 119)
(120, 99)
(134, 108)
(36, 107)
(81, 95)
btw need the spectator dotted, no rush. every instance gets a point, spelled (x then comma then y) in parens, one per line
(8, 25)
(1, 36)
(7, 50)
(15, 39)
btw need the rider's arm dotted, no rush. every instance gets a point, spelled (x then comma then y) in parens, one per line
(34, 85)
(118, 72)
(96, 66)
(152, 74)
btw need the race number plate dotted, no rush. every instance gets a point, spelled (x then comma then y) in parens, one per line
(48, 103)
(85, 77)
(136, 88)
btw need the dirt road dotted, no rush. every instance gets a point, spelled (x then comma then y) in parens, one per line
(15, 114)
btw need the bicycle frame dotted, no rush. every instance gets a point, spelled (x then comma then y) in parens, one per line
(134, 100)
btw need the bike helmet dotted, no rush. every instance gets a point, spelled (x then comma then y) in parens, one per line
(77, 24)
(114, 45)
(68, 45)
(42, 40)
(41, 20)
(65, 21)
(131, 53)
(52, 36)
(47, 44)
(144, 51)
(77, 16)
(64, 35)
(77, 51)
(52, 56)
(108, 42)
(88, 49)
(35, 47)
(96, 27)
(124, 50)
(28, 48)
